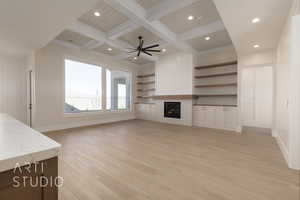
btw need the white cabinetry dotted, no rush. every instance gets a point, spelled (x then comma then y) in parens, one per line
(218, 117)
(145, 111)
(257, 95)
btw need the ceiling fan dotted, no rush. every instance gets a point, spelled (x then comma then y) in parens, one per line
(147, 50)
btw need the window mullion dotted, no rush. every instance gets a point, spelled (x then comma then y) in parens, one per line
(103, 84)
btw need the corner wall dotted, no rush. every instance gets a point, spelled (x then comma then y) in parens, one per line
(13, 86)
(288, 89)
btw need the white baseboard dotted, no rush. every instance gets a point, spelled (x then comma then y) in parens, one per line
(283, 148)
(274, 133)
(82, 124)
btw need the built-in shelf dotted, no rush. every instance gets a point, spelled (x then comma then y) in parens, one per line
(145, 75)
(145, 103)
(145, 97)
(216, 75)
(215, 105)
(217, 95)
(216, 65)
(146, 90)
(146, 83)
(175, 97)
(216, 85)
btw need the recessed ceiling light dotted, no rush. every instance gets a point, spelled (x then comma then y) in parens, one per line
(256, 46)
(97, 14)
(191, 17)
(109, 49)
(255, 20)
(207, 38)
(135, 58)
(164, 50)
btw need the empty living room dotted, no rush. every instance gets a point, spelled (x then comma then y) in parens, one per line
(150, 100)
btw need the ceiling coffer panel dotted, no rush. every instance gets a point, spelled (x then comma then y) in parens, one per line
(217, 39)
(109, 17)
(203, 11)
(146, 4)
(106, 49)
(74, 38)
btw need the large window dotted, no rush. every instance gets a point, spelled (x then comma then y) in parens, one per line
(83, 90)
(118, 90)
(84, 86)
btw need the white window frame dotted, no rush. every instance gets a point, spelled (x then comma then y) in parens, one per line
(103, 110)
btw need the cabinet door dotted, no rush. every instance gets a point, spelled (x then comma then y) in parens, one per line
(199, 116)
(219, 117)
(230, 118)
(210, 119)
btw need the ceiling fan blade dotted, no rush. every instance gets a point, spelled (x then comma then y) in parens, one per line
(132, 51)
(152, 50)
(139, 53)
(147, 53)
(152, 46)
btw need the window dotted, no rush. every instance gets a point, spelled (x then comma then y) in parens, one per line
(84, 86)
(83, 90)
(118, 90)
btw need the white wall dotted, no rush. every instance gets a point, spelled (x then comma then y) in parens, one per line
(174, 74)
(49, 88)
(13, 86)
(288, 89)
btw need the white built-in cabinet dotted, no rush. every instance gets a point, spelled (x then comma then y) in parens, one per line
(257, 96)
(218, 117)
(146, 111)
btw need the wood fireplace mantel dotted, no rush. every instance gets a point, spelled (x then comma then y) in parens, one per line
(175, 97)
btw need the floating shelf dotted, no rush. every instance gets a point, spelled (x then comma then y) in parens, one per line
(145, 103)
(217, 95)
(216, 75)
(215, 105)
(146, 75)
(216, 65)
(146, 90)
(175, 97)
(216, 85)
(145, 97)
(146, 83)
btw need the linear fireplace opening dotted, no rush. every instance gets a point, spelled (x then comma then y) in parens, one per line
(172, 110)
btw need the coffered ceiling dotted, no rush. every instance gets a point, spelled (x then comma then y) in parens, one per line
(204, 12)
(166, 22)
(146, 4)
(108, 19)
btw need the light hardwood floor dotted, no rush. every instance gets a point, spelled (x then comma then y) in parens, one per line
(139, 160)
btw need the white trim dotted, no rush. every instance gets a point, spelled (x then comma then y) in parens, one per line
(274, 133)
(82, 124)
(283, 148)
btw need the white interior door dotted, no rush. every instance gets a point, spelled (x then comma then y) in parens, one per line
(257, 97)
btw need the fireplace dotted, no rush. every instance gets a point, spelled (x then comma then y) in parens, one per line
(172, 110)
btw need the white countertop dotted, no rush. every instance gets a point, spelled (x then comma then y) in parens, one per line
(21, 144)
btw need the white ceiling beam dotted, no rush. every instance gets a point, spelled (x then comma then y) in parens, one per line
(138, 14)
(122, 29)
(167, 7)
(100, 36)
(93, 44)
(66, 44)
(203, 30)
(216, 49)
